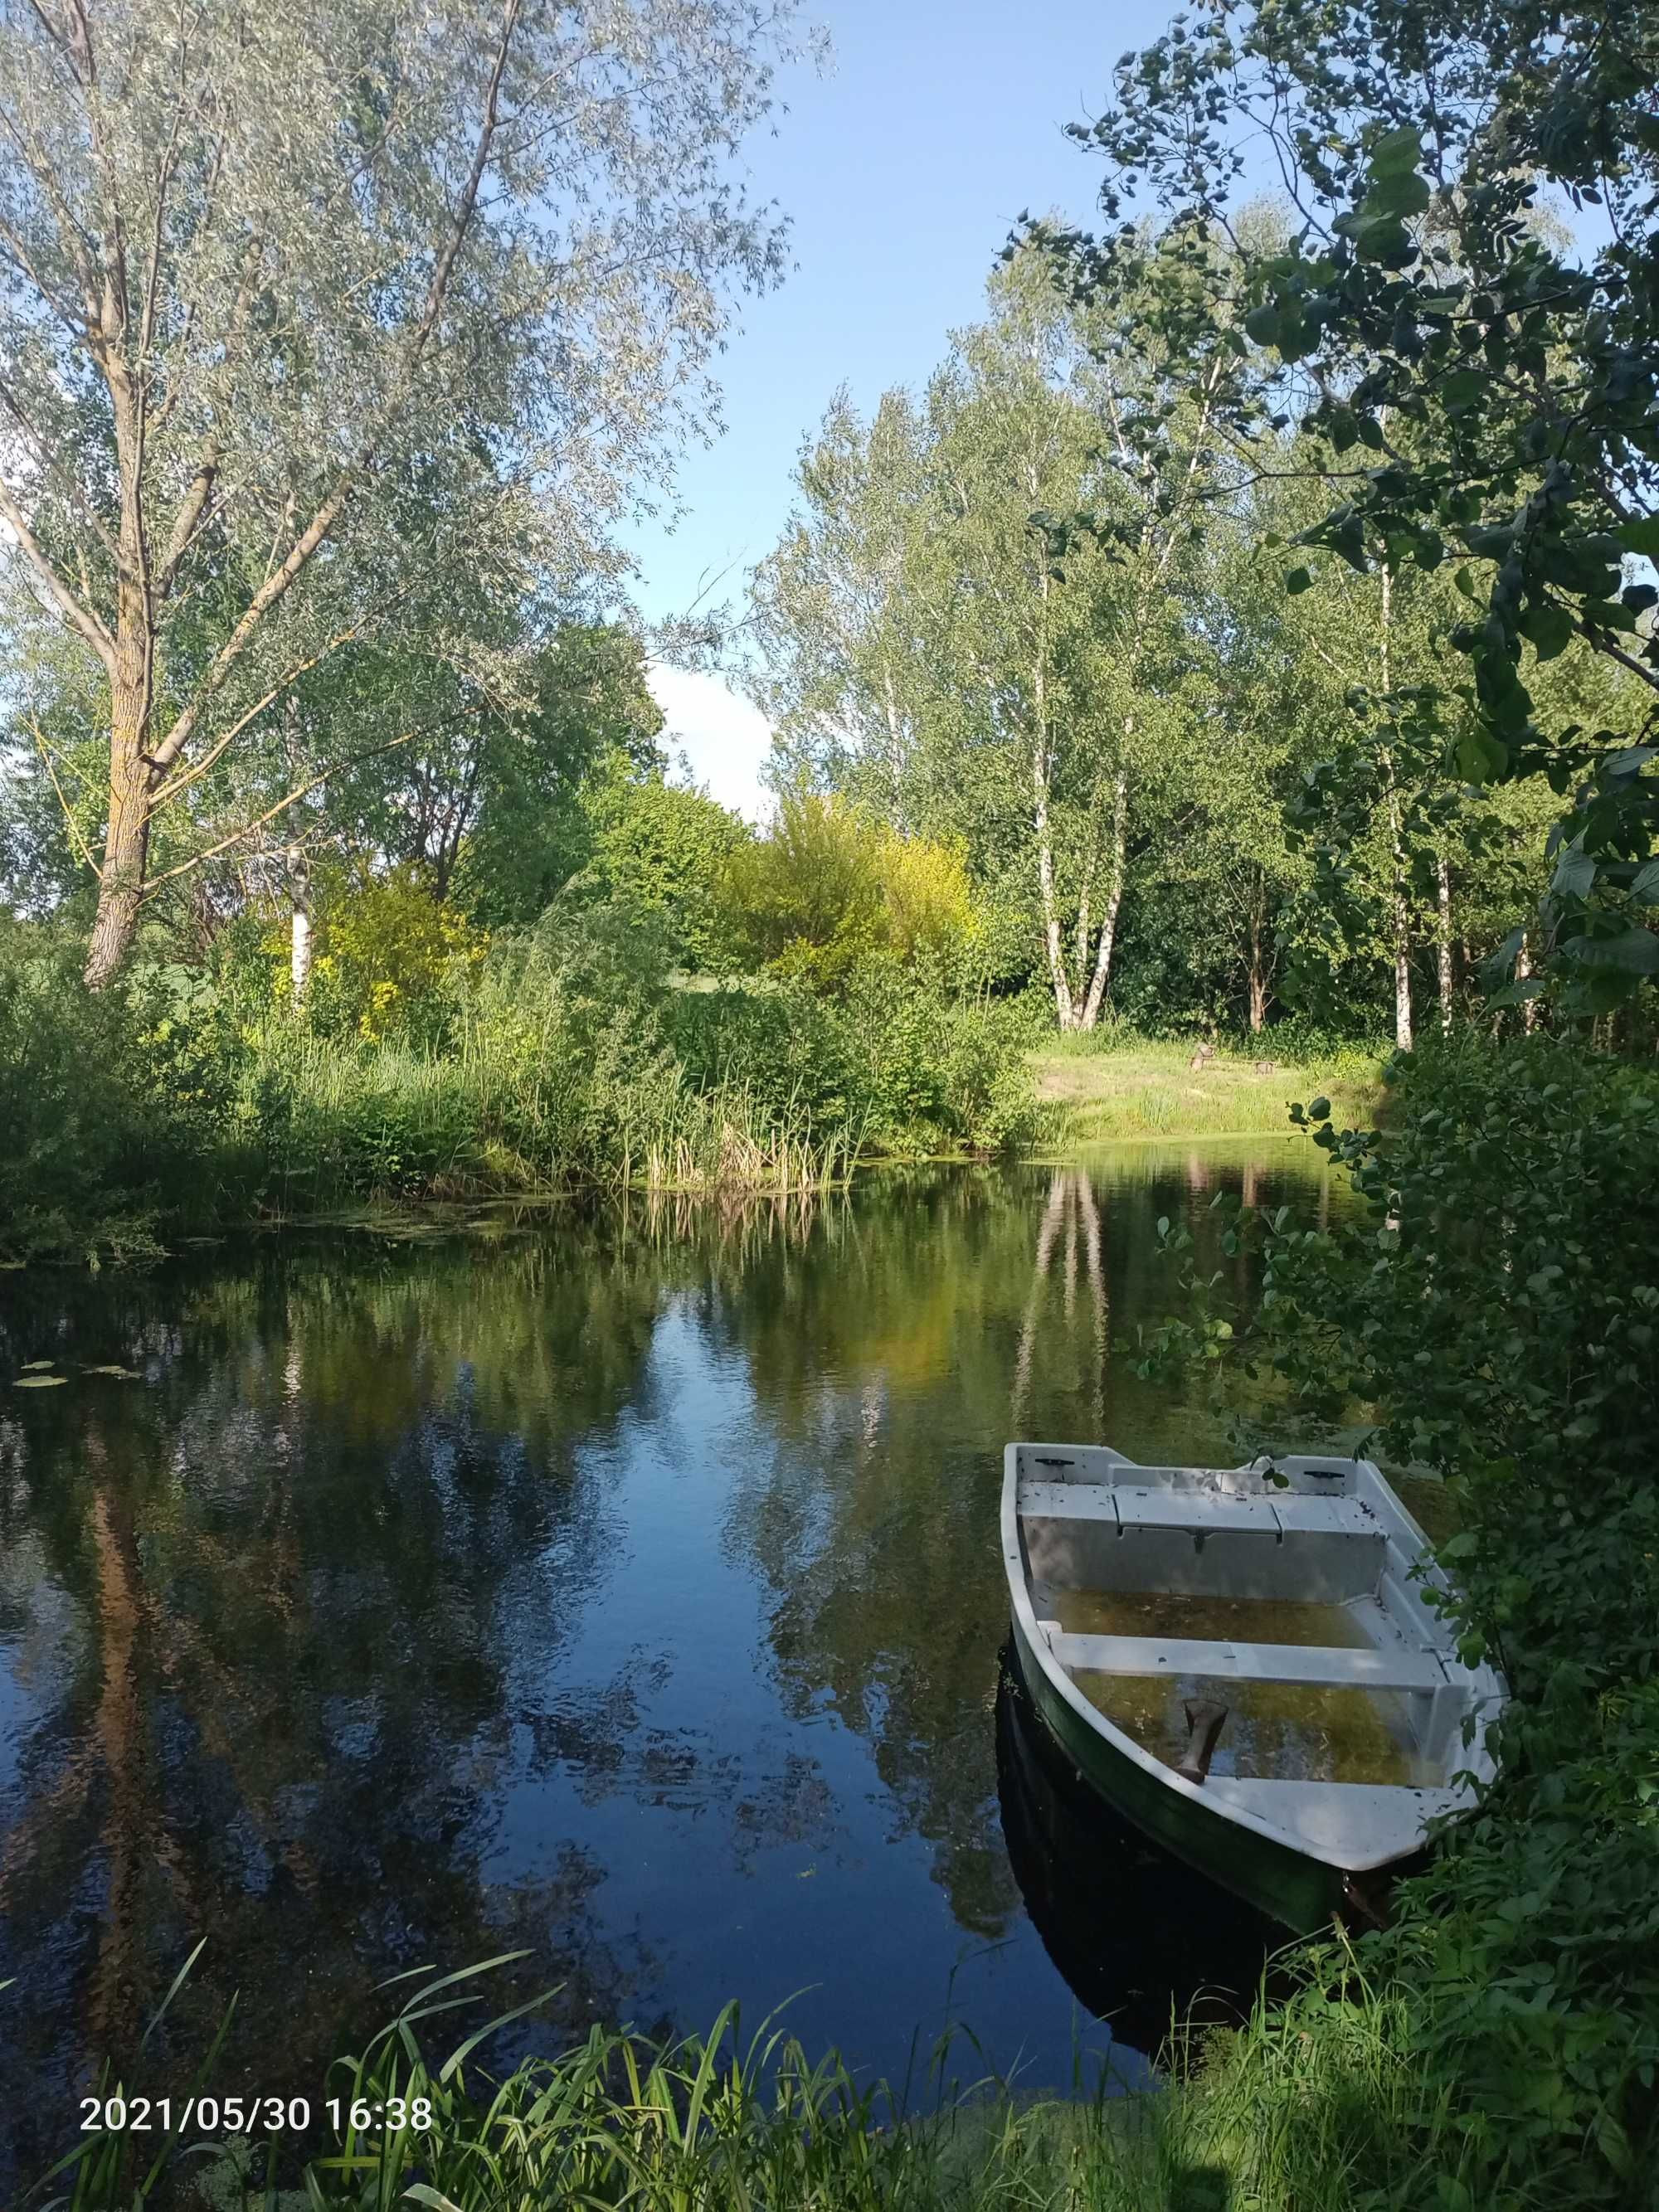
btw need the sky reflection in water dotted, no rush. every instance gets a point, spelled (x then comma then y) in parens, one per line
(625, 1587)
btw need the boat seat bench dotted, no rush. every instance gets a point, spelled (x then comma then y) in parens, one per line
(1133, 1508)
(1357, 1824)
(1357, 1668)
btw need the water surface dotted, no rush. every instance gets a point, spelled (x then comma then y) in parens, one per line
(622, 1587)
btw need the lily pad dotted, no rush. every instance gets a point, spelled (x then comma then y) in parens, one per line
(34, 1366)
(121, 1374)
(38, 1382)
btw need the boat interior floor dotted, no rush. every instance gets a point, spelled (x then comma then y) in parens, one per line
(1289, 1612)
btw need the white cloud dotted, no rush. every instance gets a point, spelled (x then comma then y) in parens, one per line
(724, 737)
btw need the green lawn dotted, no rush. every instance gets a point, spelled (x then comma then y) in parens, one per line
(1143, 1088)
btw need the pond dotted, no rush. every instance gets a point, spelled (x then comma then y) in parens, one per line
(621, 1586)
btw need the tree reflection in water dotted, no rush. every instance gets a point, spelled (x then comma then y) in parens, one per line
(623, 1586)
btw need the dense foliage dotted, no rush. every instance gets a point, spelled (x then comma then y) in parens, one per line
(1476, 362)
(1005, 618)
(427, 1061)
(1496, 1302)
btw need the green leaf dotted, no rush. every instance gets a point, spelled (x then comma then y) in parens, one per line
(38, 1382)
(1262, 324)
(1318, 1110)
(1634, 951)
(1640, 535)
(1480, 757)
(1396, 151)
(1575, 872)
(1644, 884)
(1298, 580)
(1401, 192)
(1547, 627)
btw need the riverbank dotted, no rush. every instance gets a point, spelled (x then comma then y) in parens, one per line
(1282, 2114)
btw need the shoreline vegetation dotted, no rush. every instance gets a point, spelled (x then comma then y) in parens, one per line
(1497, 2042)
(1279, 2112)
(567, 1058)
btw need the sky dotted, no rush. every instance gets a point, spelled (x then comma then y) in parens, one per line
(903, 167)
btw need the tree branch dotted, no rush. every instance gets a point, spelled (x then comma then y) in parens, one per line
(69, 821)
(291, 799)
(299, 553)
(81, 619)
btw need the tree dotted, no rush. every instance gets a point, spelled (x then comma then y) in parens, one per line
(1488, 392)
(939, 645)
(842, 642)
(305, 309)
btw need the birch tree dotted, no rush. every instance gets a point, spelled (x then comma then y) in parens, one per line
(299, 305)
(842, 628)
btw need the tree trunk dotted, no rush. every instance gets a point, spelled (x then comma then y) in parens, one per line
(1401, 914)
(131, 693)
(1064, 1010)
(1443, 884)
(1522, 971)
(1101, 976)
(127, 844)
(1258, 963)
(1063, 1007)
(299, 955)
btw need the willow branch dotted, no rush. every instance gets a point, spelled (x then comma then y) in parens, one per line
(299, 553)
(69, 821)
(291, 798)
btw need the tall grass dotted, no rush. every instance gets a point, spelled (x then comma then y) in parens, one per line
(327, 1127)
(1313, 2108)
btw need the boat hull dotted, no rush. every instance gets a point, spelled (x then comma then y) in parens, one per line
(1301, 1892)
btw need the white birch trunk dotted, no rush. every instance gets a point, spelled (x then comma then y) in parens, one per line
(1101, 976)
(1442, 885)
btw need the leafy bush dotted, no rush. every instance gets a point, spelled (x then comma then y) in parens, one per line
(387, 960)
(662, 851)
(1498, 1299)
(830, 888)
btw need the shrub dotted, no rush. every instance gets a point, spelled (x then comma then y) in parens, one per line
(1498, 1298)
(829, 888)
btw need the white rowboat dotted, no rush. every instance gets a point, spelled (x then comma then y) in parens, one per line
(1246, 1663)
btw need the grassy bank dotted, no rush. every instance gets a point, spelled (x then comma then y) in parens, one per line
(185, 1101)
(1115, 1086)
(1294, 2113)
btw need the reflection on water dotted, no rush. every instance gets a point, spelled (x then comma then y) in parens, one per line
(625, 1587)
(1135, 1936)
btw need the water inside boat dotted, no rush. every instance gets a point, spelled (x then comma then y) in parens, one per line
(1297, 1731)
(1282, 1731)
(1218, 1619)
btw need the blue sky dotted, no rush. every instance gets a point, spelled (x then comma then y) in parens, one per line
(903, 168)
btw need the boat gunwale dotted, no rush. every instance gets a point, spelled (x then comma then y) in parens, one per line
(1116, 1740)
